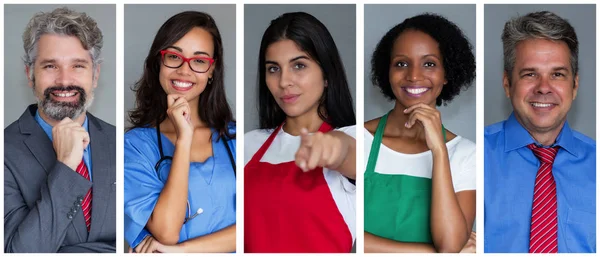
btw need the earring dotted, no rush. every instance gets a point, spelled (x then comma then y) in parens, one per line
(210, 80)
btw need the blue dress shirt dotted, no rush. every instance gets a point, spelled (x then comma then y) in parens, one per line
(87, 156)
(509, 178)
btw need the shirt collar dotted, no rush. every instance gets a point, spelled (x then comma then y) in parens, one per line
(48, 129)
(516, 136)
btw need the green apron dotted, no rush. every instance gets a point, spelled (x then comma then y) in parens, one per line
(397, 207)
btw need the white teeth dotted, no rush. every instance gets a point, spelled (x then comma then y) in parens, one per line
(416, 91)
(182, 84)
(65, 94)
(541, 105)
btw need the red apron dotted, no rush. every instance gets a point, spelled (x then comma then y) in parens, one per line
(287, 210)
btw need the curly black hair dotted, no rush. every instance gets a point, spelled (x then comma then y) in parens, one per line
(457, 52)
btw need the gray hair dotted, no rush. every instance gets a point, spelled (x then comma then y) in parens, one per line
(62, 21)
(538, 25)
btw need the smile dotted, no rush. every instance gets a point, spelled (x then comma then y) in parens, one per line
(415, 91)
(64, 94)
(181, 85)
(541, 105)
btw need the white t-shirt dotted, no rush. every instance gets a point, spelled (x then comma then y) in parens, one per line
(461, 153)
(283, 149)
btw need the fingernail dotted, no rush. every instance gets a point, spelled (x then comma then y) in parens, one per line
(406, 124)
(405, 110)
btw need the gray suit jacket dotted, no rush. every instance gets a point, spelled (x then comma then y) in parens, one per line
(41, 195)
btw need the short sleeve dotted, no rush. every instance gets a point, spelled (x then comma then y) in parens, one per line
(142, 185)
(465, 176)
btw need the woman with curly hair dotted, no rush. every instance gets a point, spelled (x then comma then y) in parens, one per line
(179, 156)
(420, 177)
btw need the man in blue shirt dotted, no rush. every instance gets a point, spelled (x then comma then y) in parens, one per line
(52, 200)
(539, 173)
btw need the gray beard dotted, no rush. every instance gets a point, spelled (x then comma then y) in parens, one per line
(57, 110)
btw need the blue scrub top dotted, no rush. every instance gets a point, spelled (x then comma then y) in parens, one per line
(211, 185)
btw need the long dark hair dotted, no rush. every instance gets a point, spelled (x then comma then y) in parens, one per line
(312, 37)
(151, 99)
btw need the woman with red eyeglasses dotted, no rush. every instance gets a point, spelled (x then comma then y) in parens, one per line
(180, 152)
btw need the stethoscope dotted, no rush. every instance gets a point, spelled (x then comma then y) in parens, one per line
(163, 158)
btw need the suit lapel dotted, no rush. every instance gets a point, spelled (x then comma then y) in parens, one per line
(37, 142)
(42, 150)
(102, 163)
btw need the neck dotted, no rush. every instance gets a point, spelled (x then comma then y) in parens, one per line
(311, 121)
(52, 122)
(546, 138)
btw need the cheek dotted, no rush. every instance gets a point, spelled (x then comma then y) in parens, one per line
(272, 82)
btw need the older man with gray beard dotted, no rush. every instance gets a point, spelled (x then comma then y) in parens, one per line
(59, 160)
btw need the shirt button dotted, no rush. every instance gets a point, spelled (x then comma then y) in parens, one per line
(69, 216)
(77, 204)
(80, 199)
(74, 210)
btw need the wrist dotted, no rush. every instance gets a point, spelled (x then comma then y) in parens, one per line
(440, 150)
(71, 164)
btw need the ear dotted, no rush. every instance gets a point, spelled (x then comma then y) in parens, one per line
(96, 77)
(212, 69)
(575, 86)
(506, 84)
(29, 78)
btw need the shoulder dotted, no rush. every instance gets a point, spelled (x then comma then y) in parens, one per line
(253, 140)
(494, 129)
(493, 135)
(348, 130)
(588, 143)
(371, 125)
(107, 128)
(140, 136)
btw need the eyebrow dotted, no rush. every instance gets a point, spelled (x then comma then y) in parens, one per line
(422, 57)
(195, 53)
(291, 60)
(75, 60)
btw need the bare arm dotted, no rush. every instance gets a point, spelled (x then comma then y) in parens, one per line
(348, 166)
(376, 244)
(222, 241)
(452, 214)
(169, 213)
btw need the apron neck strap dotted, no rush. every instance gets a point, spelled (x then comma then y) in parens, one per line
(376, 144)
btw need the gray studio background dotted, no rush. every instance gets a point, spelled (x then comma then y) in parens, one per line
(18, 95)
(339, 19)
(582, 116)
(141, 24)
(459, 115)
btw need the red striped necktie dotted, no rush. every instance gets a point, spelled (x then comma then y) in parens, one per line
(543, 237)
(86, 205)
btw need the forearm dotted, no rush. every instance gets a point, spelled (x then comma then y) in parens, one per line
(89, 247)
(169, 213)
(46, 222)
(222, 241)
(449, 229)
(348, 166)
(376, 244)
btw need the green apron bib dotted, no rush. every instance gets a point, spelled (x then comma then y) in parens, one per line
(397, 207)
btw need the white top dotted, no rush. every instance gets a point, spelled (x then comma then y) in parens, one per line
(461, 153)
(283, 149)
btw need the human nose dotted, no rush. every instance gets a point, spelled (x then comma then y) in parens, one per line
(414, 74)
(543, 85)
(64, 78)
(285, 80)
(185, 68)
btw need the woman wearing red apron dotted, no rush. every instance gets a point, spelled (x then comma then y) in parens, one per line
(299, 193)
